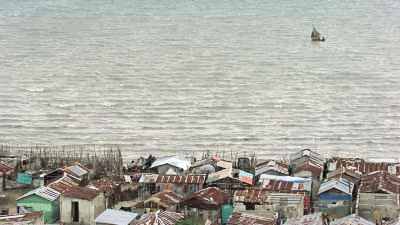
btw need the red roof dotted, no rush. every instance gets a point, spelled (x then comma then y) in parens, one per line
(380, 181)
(247, 219)
(357, 164)
(315, 170)
(207, 198)
(80, 193)
(166, 199)
(5, 169)
(251, 195)
(189, 179)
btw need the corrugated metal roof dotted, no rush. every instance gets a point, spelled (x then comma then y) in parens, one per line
(307, 153)
(315, 169)
(338, 184)
(77, 170)
(272, 165)
(175, 179)
(352, 220)
(80, 193)
(166, 199)
(4, 168)
(380, 181)
(173, 161)
(286, 183)
(116, 217)
(311, 219)
(251, 195)
(212, 177)
(247, 219)
(207, 198)
(159, 218)
(44, 192)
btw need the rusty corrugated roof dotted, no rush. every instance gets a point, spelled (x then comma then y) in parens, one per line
(247, 219)
(80, 193)
(250, 195)
(379, 181)
(166, 199)
(4, 168)
(207, 198)
(188, 179)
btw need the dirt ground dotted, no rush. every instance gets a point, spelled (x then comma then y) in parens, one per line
(8, 202)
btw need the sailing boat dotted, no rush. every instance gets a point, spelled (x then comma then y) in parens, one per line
(316, 36)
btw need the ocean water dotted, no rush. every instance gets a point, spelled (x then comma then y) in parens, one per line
(175, 76)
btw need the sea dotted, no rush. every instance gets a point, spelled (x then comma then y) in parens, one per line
(189, 76)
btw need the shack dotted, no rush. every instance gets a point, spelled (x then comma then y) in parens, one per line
(42, 199)
(5, 171)
(78, 172)
(336, 197)
(81, 205)
(171, 166)
(378, 196)
(263, 202)
(272, 167)
(207, 203)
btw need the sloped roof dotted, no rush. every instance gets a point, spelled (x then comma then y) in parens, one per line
(62, 184)
(173, 161)
(247, 219)
(159, 218)
(311, 219)
(352, 220)
(307, 153)
(80, 193)
(315, 169)
(4, 168)
(285, 183)
(272, 165)
(351, 175)
(379, 181)
(207, 198)
(166, 199)
(175, 179)
(116, 217)
(212, 177)
(77, 170)
(224, 164)
(339, 184)
(44, 192)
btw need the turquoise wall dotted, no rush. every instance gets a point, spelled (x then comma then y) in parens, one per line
(50, 209)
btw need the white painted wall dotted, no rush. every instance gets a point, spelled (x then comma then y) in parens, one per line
(88, 210)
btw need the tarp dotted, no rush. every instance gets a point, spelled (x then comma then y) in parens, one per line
(246, 177)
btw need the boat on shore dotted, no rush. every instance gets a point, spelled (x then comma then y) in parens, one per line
(316, 36)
